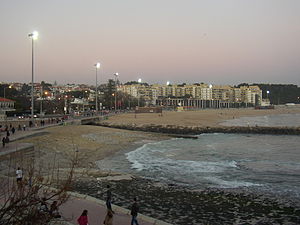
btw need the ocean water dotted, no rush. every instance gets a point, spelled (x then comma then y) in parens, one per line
(263, 163)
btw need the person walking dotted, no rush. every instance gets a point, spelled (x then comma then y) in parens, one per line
(3, 142)
(108, 218)
(83, 219)
(134, 212)
(108, 198)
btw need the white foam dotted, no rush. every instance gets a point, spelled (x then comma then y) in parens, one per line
(230, 184)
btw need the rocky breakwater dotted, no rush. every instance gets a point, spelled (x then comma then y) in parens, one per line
(194, 130)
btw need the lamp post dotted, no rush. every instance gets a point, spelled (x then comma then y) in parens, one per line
(34, 35)
(268, 92)
(138, 94)
(97, 66)
(116, 75)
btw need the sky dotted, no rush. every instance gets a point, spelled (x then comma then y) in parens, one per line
(210, 41)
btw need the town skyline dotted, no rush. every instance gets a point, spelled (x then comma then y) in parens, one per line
(224, 42)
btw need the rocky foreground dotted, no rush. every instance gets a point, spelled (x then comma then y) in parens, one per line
(180, 206)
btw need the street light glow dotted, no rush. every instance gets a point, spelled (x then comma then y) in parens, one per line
(97, 65)
(34, 35)
(116, 74)
(268, 92)
(140, 80)
(168, 82)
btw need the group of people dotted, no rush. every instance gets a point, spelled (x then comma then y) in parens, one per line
(7, 130)
(83, 219)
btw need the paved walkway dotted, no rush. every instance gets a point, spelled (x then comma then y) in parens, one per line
(73, 208)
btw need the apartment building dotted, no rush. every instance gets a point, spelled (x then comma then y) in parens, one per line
(222, 93)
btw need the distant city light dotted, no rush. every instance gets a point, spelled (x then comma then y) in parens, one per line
(168, 82)
(210, 86)
(140, 80)
(268, 92)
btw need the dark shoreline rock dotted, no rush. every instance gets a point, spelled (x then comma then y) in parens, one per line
(178, 205)
(194, 130)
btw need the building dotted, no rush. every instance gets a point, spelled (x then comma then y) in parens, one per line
(5, 106)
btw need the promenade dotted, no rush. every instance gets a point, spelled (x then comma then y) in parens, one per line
(73, 208)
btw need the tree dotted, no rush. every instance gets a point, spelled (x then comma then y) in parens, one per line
(21, 202)
(109, 91)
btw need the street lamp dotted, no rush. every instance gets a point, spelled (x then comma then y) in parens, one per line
(97, 66)
(138, 94)
(116, 75)
(34, 36)
(268, 92)
(168, 83)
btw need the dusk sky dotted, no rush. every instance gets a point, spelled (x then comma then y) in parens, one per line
(212, 41)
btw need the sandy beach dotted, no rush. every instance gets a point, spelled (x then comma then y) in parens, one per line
(206, 117)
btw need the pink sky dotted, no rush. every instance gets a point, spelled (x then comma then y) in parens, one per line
(219, 42)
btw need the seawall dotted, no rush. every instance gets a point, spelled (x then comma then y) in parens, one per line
(195, 130)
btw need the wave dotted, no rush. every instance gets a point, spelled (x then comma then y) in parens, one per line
(220, 183)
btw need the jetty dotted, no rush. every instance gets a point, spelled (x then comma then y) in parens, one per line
(187, 131)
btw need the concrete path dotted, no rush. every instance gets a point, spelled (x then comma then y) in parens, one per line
(73, 208)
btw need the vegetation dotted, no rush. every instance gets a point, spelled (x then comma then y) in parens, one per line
(27, 202)
(279, 93)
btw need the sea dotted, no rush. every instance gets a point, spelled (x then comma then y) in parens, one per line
(268, 164)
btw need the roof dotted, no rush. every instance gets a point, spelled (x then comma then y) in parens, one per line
(5, 100)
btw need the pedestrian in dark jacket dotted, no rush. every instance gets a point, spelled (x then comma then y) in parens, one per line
(3, 142)
(108, 198)
(134, 212)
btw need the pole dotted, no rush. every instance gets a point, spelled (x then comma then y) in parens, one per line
(41, 109)
(32, 75)
(4, 92)
(115, 92)
(96, 90)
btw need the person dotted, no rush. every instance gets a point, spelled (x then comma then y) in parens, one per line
(134, 212)
(108, 198)
(19, 174)
(43, 206)
(24, 127)
(3, 142)
(6, 139)
(108, 218)
(13, 130)
(54, 210)
(83, 219)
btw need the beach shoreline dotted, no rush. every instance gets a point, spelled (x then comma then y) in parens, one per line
(94, 143)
